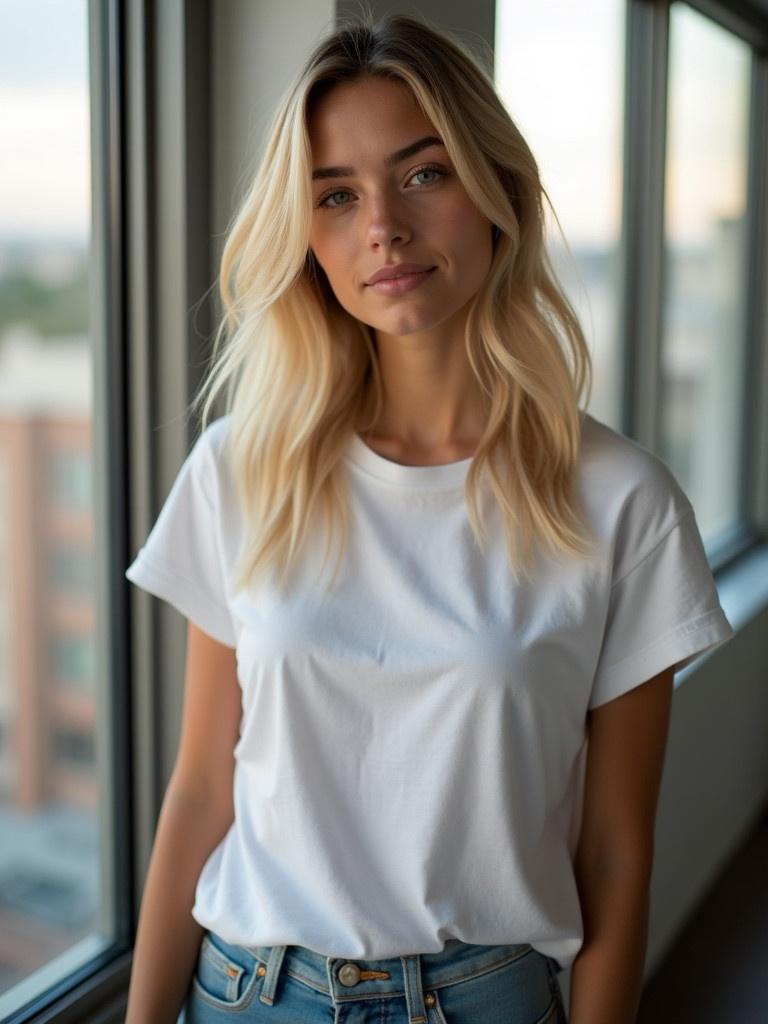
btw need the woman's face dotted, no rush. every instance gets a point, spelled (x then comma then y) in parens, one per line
(377, 208)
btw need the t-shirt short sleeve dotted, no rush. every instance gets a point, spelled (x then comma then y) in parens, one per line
(180, 560)
(664, 611)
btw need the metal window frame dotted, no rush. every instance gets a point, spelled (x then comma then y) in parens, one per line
(641, 295)
(643, 271)
(151, 261)
(87, 991)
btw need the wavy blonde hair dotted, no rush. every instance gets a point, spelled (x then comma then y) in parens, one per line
(300, 371)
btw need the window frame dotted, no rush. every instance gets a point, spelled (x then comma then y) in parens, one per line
(642, 250)
(150, 261)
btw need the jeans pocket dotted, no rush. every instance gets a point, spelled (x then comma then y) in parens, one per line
(518, 991)
(225, 975)
(552, 1015)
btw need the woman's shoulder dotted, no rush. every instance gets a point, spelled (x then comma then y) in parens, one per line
(214, 436)
(210, 450)
(210, 454)
(613, 462)
(631, 494)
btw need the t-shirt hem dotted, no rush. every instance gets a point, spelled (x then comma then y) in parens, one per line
(185, 595)
(678, 647)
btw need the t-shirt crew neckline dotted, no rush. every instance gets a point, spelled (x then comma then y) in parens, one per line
(442, 476)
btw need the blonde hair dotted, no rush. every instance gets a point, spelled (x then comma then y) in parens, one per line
(297, 366)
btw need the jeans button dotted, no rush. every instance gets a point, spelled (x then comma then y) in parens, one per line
(349, 974)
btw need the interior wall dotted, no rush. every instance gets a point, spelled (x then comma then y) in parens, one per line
(257, 48)
(472, 22)
(715, 783)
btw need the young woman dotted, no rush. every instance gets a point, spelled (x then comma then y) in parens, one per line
(415, 789)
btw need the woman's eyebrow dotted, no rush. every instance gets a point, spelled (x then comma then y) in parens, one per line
(389, 161)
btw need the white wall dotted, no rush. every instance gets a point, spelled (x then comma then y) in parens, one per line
(256, 49)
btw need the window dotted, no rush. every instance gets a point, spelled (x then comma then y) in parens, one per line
(662, 291)
(702, 401)
(51, 791)
(71, 569)
(73, 661)
(560, 71)
(70, 473)
(74, 747)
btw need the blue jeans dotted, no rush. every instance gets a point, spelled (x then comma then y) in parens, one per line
(462, 984)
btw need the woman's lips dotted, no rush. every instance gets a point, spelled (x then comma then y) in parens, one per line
(402, 283)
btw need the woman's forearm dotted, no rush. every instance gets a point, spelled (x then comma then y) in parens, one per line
(607, 974)
(168, 937)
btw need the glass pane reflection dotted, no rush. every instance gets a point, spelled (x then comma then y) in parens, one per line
(49, 843)
(702, 356)
(560, 71)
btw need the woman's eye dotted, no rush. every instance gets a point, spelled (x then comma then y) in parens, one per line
(429, 170)
(324, 204)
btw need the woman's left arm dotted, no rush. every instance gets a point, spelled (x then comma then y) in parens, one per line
(614, 857)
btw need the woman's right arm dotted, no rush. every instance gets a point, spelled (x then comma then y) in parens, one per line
(196, 814)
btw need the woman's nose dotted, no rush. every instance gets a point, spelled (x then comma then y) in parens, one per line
(386, 221)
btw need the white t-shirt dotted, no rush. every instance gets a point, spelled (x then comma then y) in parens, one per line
(411, 757)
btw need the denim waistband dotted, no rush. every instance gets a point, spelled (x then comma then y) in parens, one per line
(345, 978)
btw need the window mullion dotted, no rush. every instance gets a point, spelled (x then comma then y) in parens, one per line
(643, 206)
(754, 498)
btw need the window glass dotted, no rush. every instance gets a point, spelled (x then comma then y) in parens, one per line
(73, 663)
(70, 478)
(70, 573)
(559, 67)
(703, 340)
(50, 870)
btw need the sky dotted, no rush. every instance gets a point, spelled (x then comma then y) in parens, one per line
(569, 108)
(44, 118)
